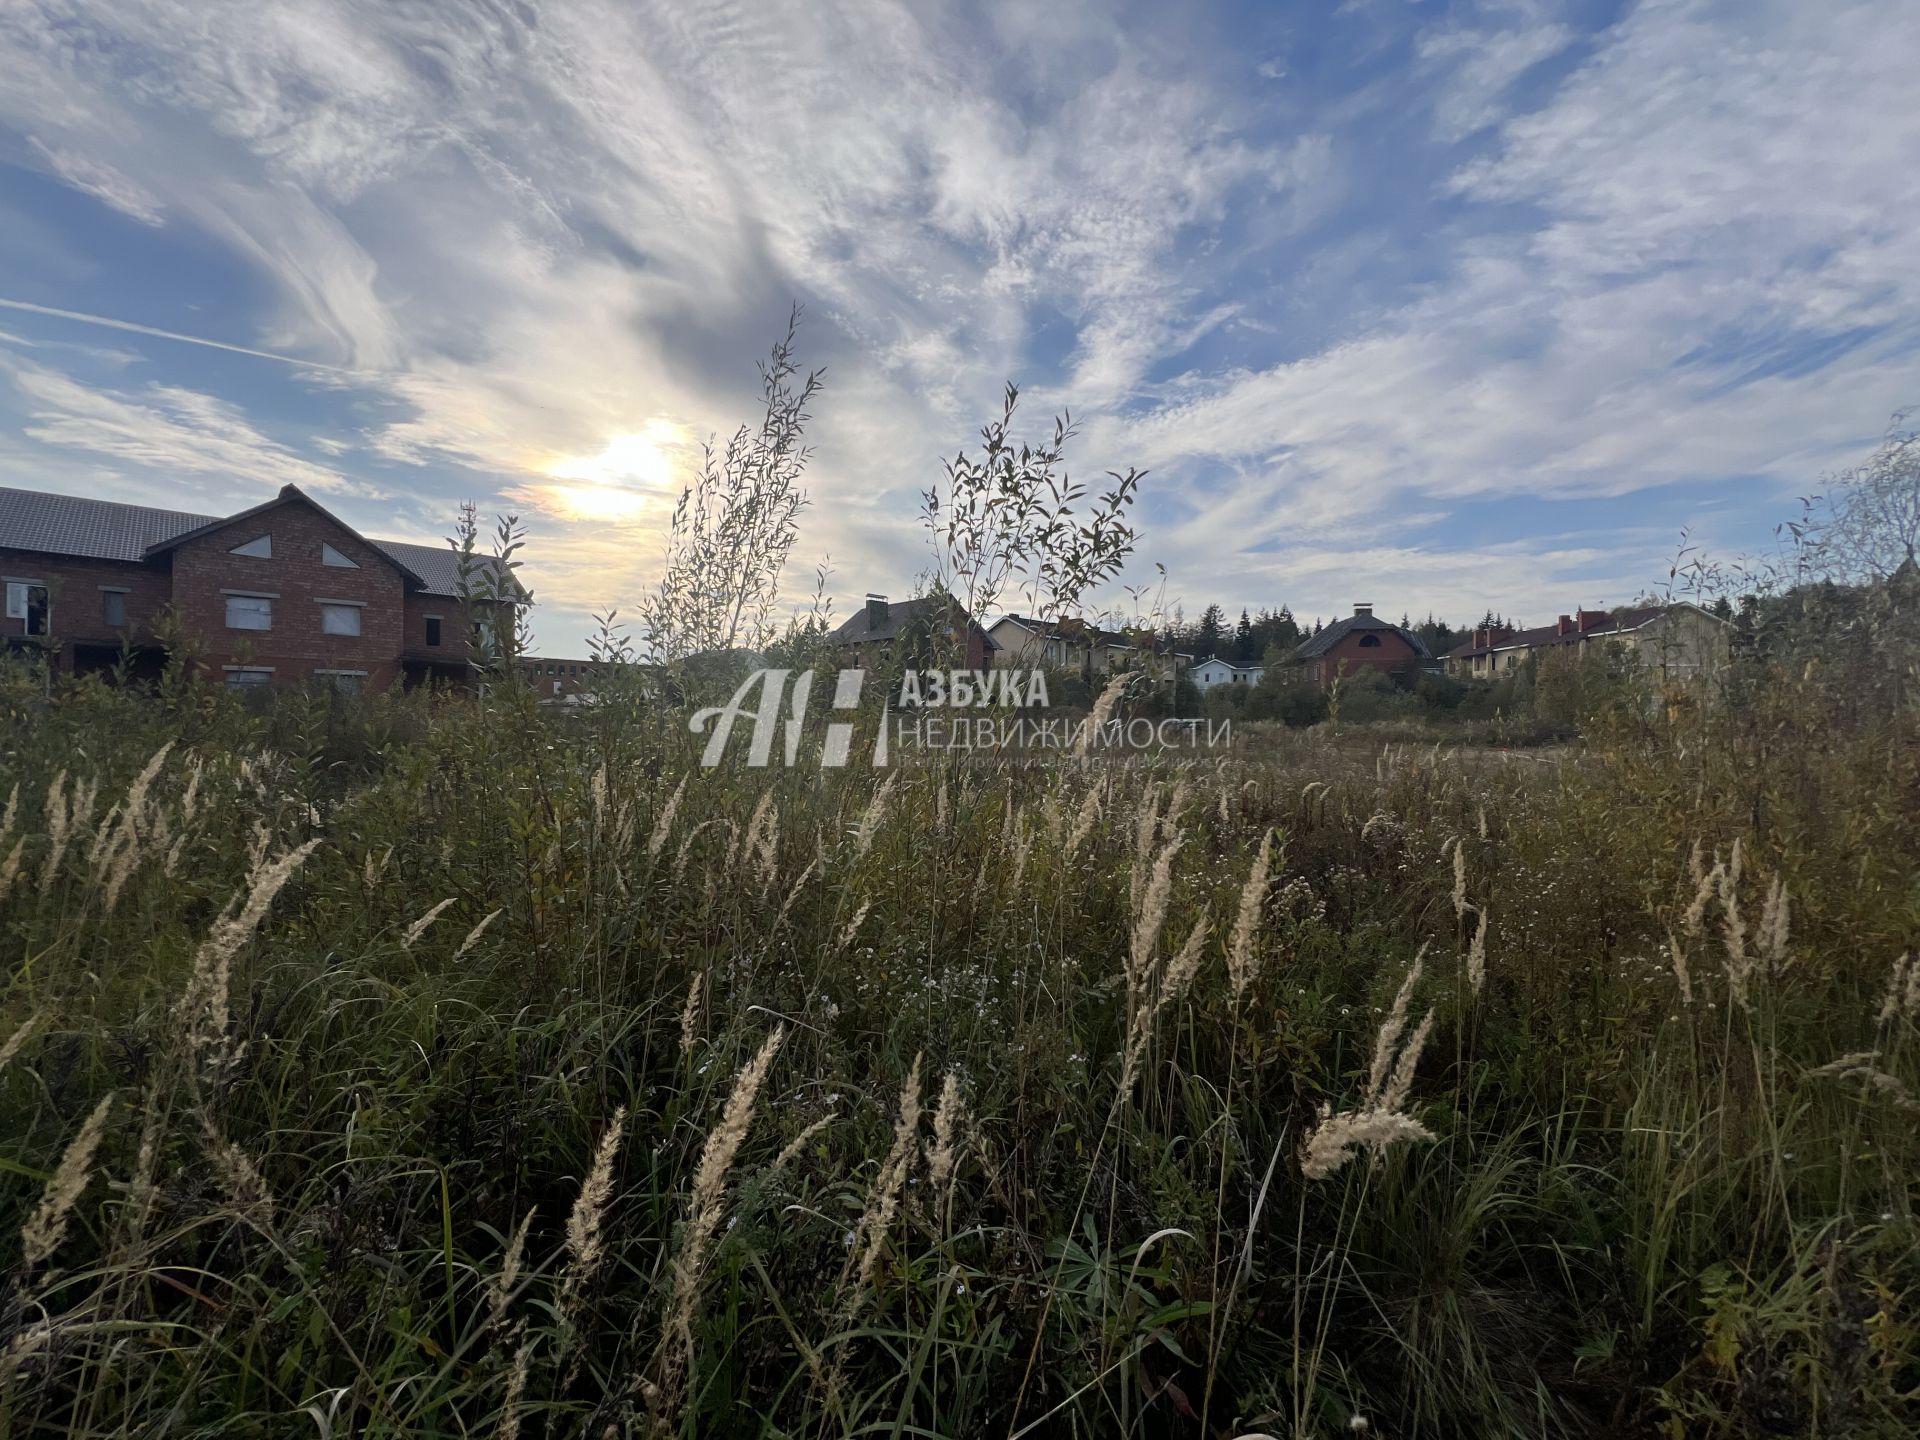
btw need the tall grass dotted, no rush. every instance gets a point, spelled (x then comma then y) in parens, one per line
(443, 1068)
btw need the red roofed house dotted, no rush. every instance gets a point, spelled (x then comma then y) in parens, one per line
(1362, 641)
(283, 593)
(1680, 640)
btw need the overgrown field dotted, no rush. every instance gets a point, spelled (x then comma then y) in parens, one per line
(446, 1068)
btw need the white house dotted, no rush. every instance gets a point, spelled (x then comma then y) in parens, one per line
(1214, 671)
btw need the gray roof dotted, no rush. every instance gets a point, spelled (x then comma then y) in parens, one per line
(1340, 629)
(856, 629)
(91, 529)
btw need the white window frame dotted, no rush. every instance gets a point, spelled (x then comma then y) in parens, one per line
(264, 552)
(266, 597)
(329, 609)
(21, 609)
(336, 559)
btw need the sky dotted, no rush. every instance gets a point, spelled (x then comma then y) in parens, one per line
(1446, 307)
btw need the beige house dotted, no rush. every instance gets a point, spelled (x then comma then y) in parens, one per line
(1675, 642)
(1024, 642)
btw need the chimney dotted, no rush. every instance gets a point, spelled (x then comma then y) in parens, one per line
(876, 612)
(1592, 620)
(1564, 626)
(1362, 607)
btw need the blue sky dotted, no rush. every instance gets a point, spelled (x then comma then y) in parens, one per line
(1443, 306)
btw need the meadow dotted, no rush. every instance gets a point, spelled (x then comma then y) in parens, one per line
(418, 1066)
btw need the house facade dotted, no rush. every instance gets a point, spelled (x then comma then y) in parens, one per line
(1362, 641)
(1023, 641)
(1214, 671)
(1677, 641)
(284, 593)
(879, 632)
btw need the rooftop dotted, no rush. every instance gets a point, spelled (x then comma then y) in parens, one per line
(90, 529)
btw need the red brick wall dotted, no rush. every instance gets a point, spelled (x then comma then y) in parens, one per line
(204, 568)
(73, 588)
(1392, 653)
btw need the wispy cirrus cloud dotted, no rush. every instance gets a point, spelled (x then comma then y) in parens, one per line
(1382, 266)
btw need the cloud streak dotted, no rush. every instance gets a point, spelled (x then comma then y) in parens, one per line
(1372, 273)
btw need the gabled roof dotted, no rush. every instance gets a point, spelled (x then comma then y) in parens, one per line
(287, 494)
(1340, 629)
(90, 529)
(858, 629)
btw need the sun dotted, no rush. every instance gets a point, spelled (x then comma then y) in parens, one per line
(621, 481)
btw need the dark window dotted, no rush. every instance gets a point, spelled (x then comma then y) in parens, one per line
(433, 629)
(1368, 642)
(113, 607)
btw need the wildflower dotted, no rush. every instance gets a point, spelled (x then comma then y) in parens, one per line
(476, 932)
(1903, 990)
(509, 1428)
(1246, 924)
(874, 816)
(1477, 952)
(584, 1246)
(1680, 971)
(509, 1276)
(663, 826)
(1380, 1120)
(47, 1226)
(18, 1039)
(703, 1213)
(690, 1015)
(203, 1004)
(419, 927)
(1103, 709)
(884, 1201)
(944, 1156)
(853, 925)
(1084, 822)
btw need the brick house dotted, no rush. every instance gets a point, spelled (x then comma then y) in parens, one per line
(1362, 641)
(284, 593)
(879, 632)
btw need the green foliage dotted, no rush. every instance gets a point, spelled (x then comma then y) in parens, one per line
(1642, 1214)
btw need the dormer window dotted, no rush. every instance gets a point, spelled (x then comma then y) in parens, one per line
(259, 548)
(331, 556)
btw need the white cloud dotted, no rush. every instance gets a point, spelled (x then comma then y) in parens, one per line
(533, 232)
(167, 430)
(1695, 186)
(103, 182)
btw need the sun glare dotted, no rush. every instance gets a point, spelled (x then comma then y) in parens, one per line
(620, 482)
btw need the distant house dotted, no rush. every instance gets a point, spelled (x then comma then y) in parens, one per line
(1362, 641)
(283, 593)
(879, 631)
(1214, 671)
(1022, 640)
(553, 678)
(1678, 641)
